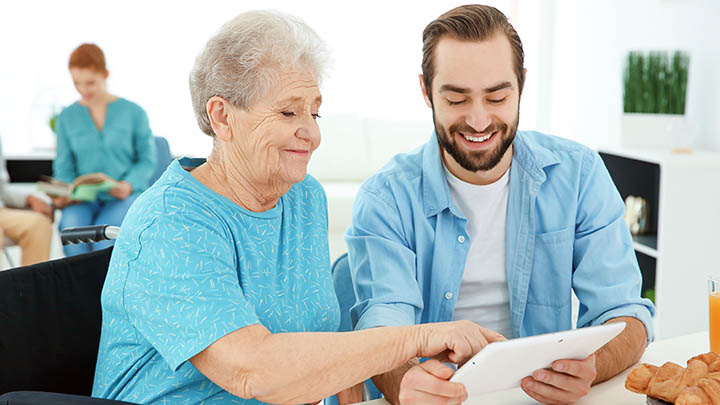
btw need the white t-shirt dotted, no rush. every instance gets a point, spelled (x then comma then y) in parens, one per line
(483, 297)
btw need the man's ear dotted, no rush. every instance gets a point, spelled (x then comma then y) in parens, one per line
(524, 78)
(218, 110)
(424, 90)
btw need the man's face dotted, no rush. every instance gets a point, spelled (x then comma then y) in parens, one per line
(475, 101)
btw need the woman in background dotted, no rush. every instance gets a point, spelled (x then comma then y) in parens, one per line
(103, 133)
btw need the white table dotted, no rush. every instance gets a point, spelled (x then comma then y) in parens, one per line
(677, 350)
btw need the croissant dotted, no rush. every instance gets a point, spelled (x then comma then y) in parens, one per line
(698, 384)
(712, 360)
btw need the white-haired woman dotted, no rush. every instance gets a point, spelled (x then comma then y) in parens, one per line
(219, 288)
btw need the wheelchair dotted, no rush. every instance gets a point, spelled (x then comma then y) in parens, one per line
(50, 322)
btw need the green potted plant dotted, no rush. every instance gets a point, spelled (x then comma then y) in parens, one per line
(53, 118)
(654, 96)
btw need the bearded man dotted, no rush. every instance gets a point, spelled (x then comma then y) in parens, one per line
(494, 225)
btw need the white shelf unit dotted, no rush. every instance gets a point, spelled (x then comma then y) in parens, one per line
(683, 246)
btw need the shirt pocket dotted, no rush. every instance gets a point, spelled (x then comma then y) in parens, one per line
(82, 143)
(551, 274)
(119, 141)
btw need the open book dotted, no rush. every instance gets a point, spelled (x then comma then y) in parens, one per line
(83, 188)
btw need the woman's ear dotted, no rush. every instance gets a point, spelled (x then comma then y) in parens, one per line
(218, 111)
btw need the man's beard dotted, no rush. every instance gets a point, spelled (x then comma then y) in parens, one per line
(475, 161)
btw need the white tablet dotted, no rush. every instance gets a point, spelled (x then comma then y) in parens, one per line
(502, 365)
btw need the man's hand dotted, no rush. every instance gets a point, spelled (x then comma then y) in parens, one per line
(122, 190)
(427, 383)
(351, 395)
(40, 206)
(566, 382)
(62, 202)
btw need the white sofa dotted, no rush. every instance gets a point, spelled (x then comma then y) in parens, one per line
(352, 149)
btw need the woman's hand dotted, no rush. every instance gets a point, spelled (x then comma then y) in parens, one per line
(455, 341)
(122, 190)
(62, 202)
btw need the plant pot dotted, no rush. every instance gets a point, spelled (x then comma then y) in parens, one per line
(667, 131)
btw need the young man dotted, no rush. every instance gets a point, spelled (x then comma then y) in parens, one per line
(492, 224)
(30, 227)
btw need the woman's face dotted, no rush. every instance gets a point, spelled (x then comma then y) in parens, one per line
(275, 138)
(89, 83)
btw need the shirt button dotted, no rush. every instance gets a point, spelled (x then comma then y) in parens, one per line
(448, 295)
(461, 239)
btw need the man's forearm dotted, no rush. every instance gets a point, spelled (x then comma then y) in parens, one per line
(389, 383)
(621, 352)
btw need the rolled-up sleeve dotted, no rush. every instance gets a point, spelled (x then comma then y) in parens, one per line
(607, 279)
(382, 265)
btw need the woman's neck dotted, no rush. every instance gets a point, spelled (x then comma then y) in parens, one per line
(235, 184)
(100, 101)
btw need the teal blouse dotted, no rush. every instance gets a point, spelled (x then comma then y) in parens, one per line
(124, 149)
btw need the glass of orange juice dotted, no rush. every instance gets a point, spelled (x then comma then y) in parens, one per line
(714, 299)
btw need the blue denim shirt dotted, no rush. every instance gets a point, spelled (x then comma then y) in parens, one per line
(565, 231)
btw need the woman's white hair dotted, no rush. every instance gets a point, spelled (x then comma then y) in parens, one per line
(242, 61)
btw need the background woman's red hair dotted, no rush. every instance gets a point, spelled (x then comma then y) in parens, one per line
(88, 56)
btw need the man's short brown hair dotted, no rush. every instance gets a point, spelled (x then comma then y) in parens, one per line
(472, 22)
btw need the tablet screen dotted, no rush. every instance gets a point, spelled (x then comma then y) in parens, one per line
(502, 365)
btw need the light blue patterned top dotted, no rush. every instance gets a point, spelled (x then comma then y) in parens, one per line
(189, 267)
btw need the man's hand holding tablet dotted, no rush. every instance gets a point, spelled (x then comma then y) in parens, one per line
(565, 382)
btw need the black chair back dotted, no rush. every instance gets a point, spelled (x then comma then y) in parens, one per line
(50, 321)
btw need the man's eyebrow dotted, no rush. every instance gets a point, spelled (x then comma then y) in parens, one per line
(500, 86)
(463, 90)
(453, 88)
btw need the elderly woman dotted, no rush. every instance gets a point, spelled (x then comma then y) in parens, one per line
(219, 288)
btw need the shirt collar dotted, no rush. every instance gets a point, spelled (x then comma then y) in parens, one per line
(532, 156)
(436, 193)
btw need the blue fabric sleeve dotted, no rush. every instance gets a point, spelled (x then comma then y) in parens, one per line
(382, 266)
(145, 159)
(183, 292)
(607, 278)
(64, 165)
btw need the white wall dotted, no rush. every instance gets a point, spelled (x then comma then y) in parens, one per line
(574, 55)
(151, 45)
(591, 41)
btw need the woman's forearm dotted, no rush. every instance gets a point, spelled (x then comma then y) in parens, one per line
(334, 362)
(296, 368)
